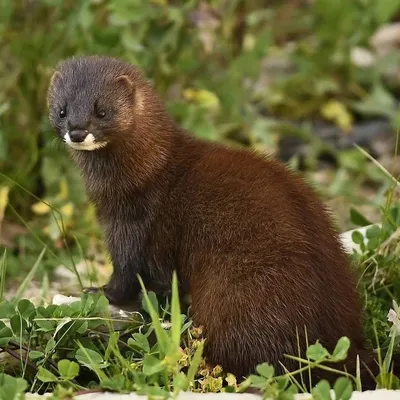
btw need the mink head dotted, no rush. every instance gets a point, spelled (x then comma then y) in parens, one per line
(94, 101)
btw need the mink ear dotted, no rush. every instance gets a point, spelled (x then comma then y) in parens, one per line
(125, 80)
(55, 77)
(53, 80)
(127, 84)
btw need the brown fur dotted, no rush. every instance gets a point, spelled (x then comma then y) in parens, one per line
(251, 242)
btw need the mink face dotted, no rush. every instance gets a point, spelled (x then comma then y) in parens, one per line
(88, 101)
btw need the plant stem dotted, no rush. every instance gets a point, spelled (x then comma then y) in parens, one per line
(18, 357)
(316, 364)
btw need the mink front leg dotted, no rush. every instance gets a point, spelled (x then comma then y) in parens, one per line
(132, 254)
(125, 241)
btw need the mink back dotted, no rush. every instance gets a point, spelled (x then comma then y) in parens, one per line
(263, 260)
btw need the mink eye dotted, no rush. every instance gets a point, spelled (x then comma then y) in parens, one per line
(99, 110)
(62, 113)
(100, 113)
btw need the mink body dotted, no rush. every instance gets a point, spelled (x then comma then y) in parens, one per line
(251, 242)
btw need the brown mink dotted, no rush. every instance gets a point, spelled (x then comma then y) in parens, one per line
(251, 242)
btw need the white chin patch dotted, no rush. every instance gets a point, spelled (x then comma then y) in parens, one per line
(88, 144)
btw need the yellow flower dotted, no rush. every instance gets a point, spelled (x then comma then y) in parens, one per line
(203, 97)
(40, 208)
(338, 113)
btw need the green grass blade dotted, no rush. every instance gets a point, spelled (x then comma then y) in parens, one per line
(3, 270)
(78, 245)
(358, 374)
(59, 223)
(45, 286)
(379, 165)
(176, 320)
(101, 375)
(162, 337)
(194, 365)
(389, 355)
(22, 288)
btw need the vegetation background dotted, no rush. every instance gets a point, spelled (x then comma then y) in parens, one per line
(300, 79)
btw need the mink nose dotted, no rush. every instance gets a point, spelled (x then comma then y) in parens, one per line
(78, 135)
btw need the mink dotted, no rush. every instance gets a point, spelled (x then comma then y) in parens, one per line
(250, 240)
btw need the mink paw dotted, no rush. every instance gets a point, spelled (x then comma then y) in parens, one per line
(94, 289)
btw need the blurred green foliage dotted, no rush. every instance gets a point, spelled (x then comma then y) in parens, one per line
(245, 72)
(229, 70)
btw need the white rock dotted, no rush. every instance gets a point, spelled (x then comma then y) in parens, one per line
(59, 299)
(386, 38)
(381, 394)
(362, 57)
